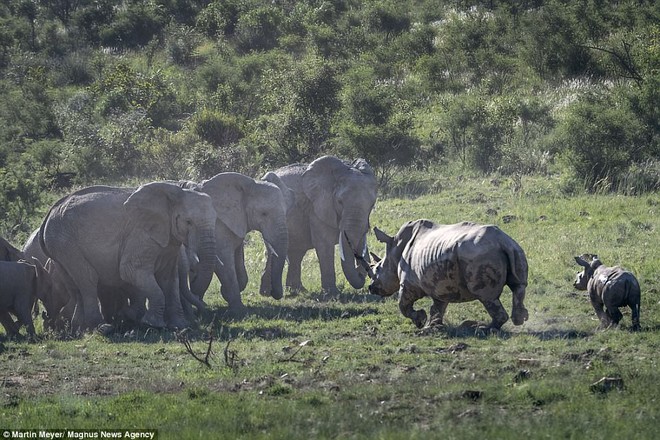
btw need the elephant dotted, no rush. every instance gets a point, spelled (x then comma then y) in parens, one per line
(333, 201)
(127, 241)
(8, 252)
(57, 301)
(22, 283)
(244, 204)
(60, 300)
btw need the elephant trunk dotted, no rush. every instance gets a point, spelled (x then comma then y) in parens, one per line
(207, 260)
(278, 247)
(352, 250)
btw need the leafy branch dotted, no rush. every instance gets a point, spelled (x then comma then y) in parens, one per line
(624, 60)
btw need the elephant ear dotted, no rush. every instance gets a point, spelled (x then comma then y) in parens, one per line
(227, 190)
(319, 183)
(151, 206)
(289, 197)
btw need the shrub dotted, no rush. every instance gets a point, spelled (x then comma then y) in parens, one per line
(599, 139)
(216, 128)
(134, 26)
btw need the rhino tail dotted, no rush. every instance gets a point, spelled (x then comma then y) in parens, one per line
(517, 271)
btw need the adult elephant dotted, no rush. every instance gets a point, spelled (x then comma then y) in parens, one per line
(130, 239)
(333, 201)
(8, 252)
(244, 204)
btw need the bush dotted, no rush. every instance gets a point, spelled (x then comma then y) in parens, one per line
(599, 139)
(134, 26)
(216, 128)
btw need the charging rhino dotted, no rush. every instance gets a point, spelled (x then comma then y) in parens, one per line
(451, 264)
(611, 287)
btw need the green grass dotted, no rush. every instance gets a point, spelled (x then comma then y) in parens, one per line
(351, 366)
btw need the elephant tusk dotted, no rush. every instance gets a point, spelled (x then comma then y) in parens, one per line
(355, 254)
(341, 246)
(271, 249)
(219, 261)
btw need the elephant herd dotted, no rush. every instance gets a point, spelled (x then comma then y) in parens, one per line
(147, 255)
(104, 255)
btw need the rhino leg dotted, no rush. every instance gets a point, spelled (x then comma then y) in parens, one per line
(438, 310)
(635, 316)
(597, 304)
(615, 315)
(519, 313)
(407, 299)
(496, 312)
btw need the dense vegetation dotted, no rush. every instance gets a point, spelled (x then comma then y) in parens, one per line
(129, 90)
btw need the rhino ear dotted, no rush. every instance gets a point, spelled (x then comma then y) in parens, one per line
(383, 237)
(581, 262)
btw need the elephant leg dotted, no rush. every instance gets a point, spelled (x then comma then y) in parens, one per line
(438, 310)
(239, 264)
(229, 287)
(11, 329)
(144, 287)
(497, 313)
(88, 312)
(65, 314)
(25, 318)
(407, 299)
(326, 256)
(169, 283)
(293, 275)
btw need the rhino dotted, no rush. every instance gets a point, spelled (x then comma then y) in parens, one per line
(612, 287)
(451, 264)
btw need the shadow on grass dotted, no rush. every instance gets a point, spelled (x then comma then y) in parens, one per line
(465, 331)
(227, 325)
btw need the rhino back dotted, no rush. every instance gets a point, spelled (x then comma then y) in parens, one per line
(614, 285)
(463, 262)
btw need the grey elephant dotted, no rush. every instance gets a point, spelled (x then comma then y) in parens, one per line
(60, 300)
(21, 284)
(244, 204)
(333, 201)
(8, 252)
(127, 240)
(609, 287)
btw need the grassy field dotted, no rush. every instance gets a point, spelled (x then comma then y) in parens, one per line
(350, 366)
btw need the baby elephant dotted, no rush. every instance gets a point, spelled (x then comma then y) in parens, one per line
(19, 283)
(611, 287)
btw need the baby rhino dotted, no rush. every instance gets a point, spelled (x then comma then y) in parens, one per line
(611, 287)
(451, 264)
